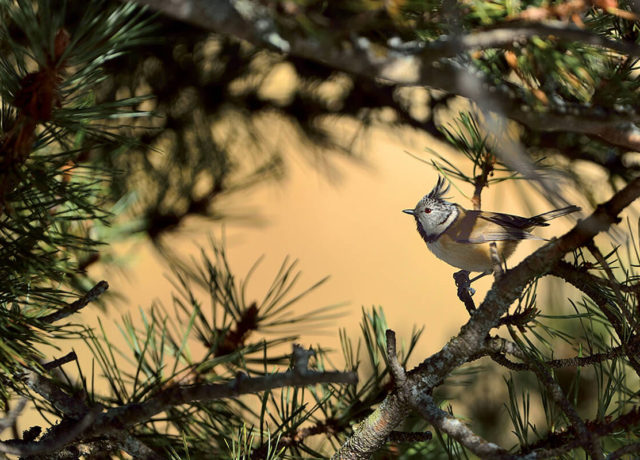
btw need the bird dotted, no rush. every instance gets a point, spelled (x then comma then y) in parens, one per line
(462, 237)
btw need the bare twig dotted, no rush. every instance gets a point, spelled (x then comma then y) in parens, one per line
(399, 375)
(482, 180)
(499, 346)
(79, 304)
(71, 356)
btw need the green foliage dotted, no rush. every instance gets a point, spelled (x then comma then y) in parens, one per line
(49, 118)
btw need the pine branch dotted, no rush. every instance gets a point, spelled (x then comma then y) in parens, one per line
(65, 432)
(588, 283)
(497, 347)
(425, 406)
(299, 375)
(556, 443)
(586, 438)
(423, 64)
(78, 305)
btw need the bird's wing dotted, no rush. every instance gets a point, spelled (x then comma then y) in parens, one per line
(484, 227)
(509, 220)
(507, 234)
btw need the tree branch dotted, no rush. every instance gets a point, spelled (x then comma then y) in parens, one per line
(587, 439)
(79, 304)
(556, 443)
(453, 427)
(117, 418)
(66, 432)
(465, 290)
(499, 346)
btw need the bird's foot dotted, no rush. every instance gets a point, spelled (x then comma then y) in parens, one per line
(465, 291)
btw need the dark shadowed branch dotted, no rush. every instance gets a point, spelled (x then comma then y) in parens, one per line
(424, 64)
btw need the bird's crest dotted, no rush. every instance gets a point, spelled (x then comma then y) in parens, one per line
(439, 190)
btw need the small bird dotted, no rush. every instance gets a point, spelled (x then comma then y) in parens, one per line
(462, 237)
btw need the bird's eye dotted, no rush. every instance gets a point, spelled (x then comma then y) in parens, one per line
(427, 210)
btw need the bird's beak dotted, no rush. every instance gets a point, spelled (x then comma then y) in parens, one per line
(408, 211)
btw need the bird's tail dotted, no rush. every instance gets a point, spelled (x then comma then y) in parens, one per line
(542, 218)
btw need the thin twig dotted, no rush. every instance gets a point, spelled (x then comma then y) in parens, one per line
(71, 356)
(482, 180)
(79, 304)
(453, 427)
(497, 347)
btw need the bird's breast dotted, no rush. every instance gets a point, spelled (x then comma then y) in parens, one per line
(474, 257)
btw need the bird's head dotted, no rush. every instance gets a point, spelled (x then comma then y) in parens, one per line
(432, 213)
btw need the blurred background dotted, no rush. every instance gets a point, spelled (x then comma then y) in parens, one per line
(280, 159)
